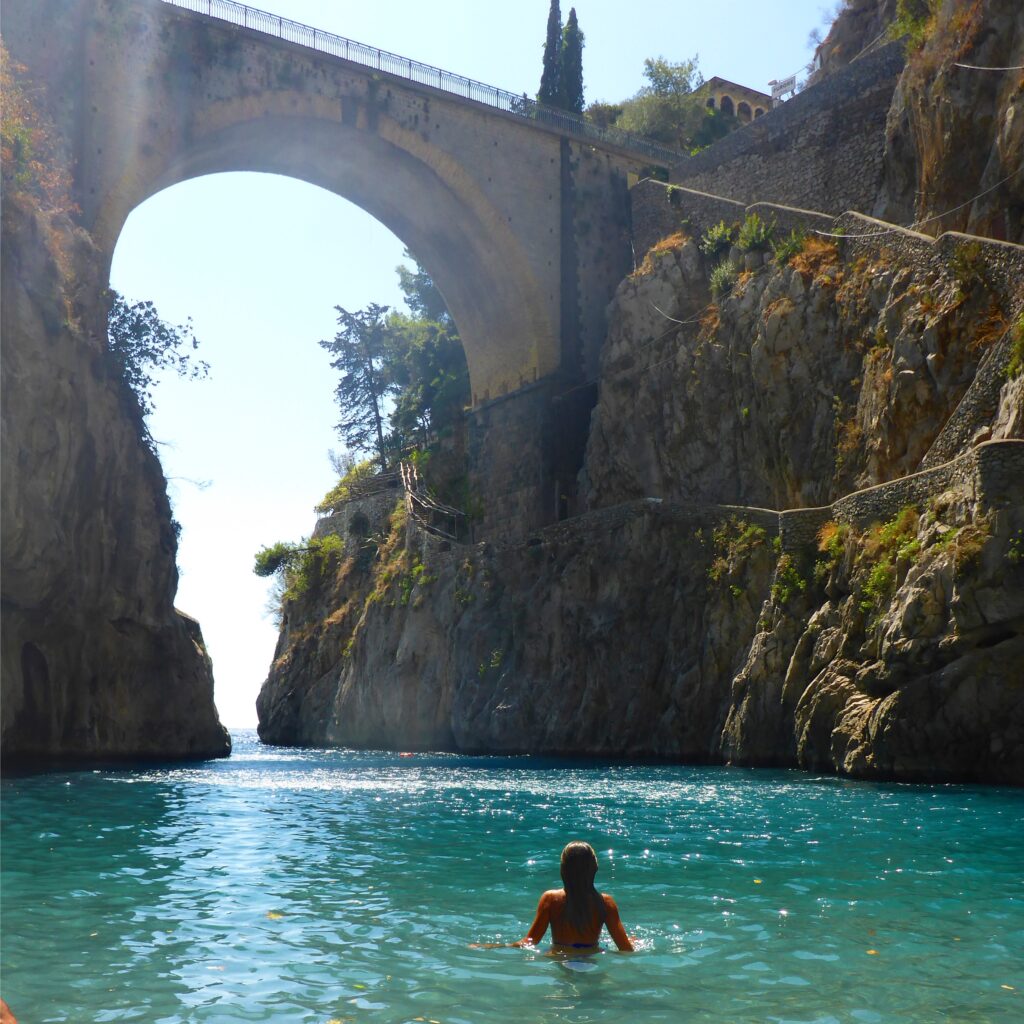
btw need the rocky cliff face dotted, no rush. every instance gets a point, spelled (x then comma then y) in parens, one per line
(96, 660)
(859, 26)
(833, 372)
(881, 635)
(955, 135)
(680, 632)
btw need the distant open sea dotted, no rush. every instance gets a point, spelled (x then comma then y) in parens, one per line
(299, 885)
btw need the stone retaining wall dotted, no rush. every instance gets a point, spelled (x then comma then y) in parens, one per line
(374, 507)
(660, 210)
(798, 527)
(824, 149)
(993, 473)
(976, 408)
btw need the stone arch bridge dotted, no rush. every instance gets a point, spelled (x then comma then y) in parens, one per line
(522, 221)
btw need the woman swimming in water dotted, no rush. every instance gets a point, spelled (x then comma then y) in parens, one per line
(577, 912)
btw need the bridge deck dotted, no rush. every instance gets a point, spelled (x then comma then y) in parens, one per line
(432, 78)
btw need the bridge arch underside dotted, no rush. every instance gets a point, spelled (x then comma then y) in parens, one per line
(505, 316)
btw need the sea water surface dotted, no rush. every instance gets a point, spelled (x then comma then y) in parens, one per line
(315, 886)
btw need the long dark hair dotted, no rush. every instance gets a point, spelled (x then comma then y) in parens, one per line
(578, 868)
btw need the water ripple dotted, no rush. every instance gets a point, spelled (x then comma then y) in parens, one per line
(309, 886)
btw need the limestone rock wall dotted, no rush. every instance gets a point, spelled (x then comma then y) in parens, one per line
(683, 632)
(832, 372)
(96, 660)
(927, 684)
(878, 633)
(860, 27)
(955, 133)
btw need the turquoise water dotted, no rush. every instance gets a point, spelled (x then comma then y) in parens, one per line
(311, 886)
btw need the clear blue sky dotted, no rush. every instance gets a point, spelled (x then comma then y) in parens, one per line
(259, 262)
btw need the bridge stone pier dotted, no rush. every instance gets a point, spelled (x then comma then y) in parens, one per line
(523, 227)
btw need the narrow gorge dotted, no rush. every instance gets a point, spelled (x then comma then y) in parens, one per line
(766, 508)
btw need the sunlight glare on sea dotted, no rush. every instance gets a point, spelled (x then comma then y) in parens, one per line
(300, 885)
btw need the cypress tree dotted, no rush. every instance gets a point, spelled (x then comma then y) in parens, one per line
(549, 79)
(570, 84)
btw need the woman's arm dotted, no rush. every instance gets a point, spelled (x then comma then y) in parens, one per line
(540, 922)
(532, 937)
(614, 925)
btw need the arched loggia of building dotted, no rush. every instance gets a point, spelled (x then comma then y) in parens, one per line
(726, 105)
(743, 112)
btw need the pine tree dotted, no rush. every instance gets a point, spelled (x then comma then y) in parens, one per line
(549, 79)
(361, 356)
(570, 81)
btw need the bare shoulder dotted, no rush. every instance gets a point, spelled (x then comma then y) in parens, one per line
(609, 902)
(553, 896)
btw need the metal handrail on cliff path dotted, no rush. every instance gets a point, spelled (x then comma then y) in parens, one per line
(415, 499)
(424, 74)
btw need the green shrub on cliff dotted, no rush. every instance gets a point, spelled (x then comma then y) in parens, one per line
(723, 277)
(733, 542)
(31, 162)
(915, 20)
(357, 475)
(298, 565)
(884, 550)
(1015, 364)
(755, 234)
(272, 559)
(832, 538)
(792, 245)
(140, 344)
(788, 581)
(716, 240)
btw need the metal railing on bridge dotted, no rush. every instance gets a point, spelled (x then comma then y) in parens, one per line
(423, 74)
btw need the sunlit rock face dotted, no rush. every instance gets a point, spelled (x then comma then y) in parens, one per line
(662, 623)
(833, 372)
(96, 660)
(955, 135)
